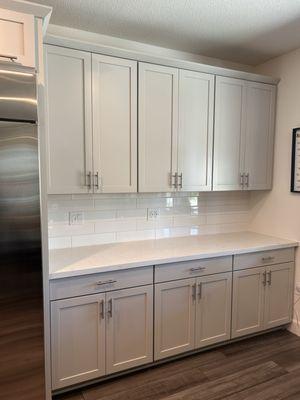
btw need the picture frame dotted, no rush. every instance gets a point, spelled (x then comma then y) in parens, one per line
(295, 167)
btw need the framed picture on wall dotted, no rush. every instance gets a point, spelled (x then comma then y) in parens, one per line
(295, 175)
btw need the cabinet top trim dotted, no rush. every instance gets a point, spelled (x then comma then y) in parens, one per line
(91, 42)
(38, 10)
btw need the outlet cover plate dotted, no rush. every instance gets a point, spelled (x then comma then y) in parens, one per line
(153, 213)
(75, 218)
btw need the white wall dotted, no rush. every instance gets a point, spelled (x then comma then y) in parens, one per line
(278, 212)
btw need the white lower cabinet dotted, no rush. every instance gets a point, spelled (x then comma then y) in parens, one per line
(129, 340)
(122, 327)
(100, 334)
(175, 304)
(77, 339)
(213, 311)
(192, 313)
(279, 295)
(262, 298)
(248, 301)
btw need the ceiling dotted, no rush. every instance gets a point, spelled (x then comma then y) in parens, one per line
(243, 31)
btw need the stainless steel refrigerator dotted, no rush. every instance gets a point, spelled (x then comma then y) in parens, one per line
(21, 284)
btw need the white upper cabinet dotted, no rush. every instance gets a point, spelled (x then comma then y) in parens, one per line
(228, 146)
(17, 38)
(158, 116)
(260, 105)
(69, 123)
(195, 131)
(114, 83)
(175, 129)
(85, 157)
(244, 132)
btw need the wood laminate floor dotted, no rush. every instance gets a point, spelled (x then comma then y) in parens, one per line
(266, 367)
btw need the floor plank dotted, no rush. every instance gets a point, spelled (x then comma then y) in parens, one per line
(280, 388)
(233, 383)
(266, 367)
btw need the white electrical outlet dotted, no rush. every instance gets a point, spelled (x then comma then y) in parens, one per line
(75, 218)
(153, 213)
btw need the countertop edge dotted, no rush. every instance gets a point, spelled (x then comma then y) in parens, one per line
(138, 264)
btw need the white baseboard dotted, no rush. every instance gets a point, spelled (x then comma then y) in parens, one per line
(294, 328)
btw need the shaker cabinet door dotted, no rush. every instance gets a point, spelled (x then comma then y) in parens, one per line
(279, 295)
(195, 130)
(129, 334)
(158, 115)
(213, 310)
(77, 340)
(248, 301)
(174, 317)
(260, 115)
(114, 83)
(228, 140)
(69, 124)
(17, 38)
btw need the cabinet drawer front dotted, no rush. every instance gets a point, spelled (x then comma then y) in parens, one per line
(189, 269)
(243, 261)
(98, 283)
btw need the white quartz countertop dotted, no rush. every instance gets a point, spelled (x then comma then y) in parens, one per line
(115, 256)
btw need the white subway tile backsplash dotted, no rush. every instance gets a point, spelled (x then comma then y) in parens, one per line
(60, 242)
(227, 218)
(155, 202)
(72, 204)
(160, 222)
(123, 217)
(91, 240)
(96, 215)
(163, 233)
(58, 216)
(64, 229)
(117, 225)
(189, 220)
(133, 213)
(115, 203)
(135, 235)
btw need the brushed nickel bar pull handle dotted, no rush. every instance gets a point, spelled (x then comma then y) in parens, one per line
(96, 176)
(242, 180)
(197, 269)
(269, 279)
(180, 182)
(175, 177)
(200, 290)
(110, 308)
(247, 179)
(264, 278)
(270, 258)
(102, 309)
(11, 58)
(194, 291)
(89, 180)
(100, 283)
